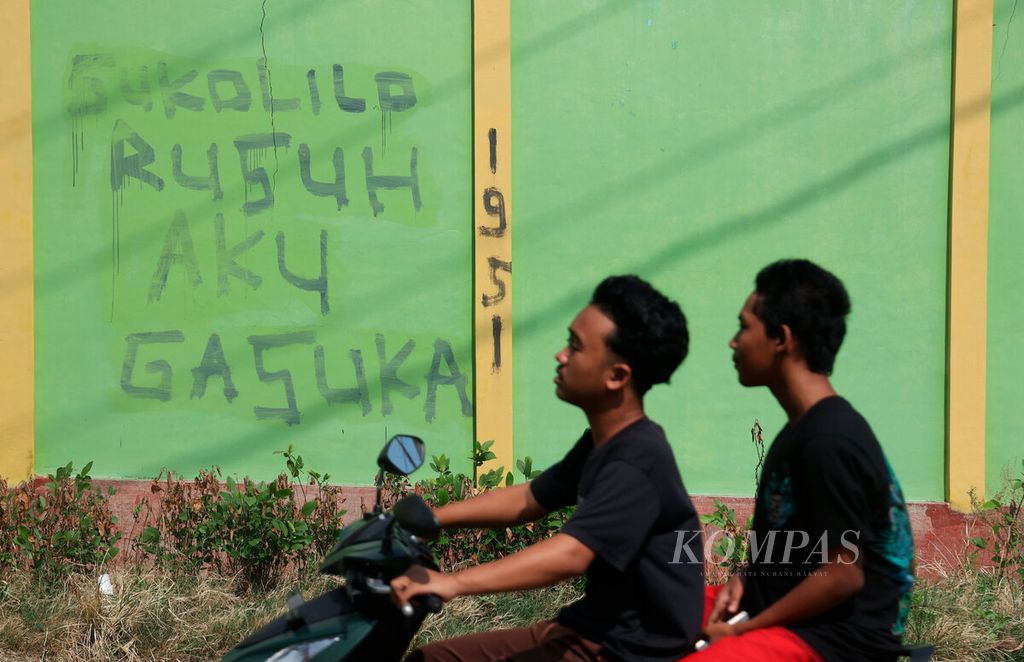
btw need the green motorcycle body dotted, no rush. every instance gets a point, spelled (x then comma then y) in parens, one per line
(353, 622)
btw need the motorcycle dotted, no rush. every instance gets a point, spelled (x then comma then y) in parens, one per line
(358, 621)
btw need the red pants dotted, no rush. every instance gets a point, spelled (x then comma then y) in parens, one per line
(765, 644)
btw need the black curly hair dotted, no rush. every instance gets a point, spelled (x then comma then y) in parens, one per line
(650, 329)
(811, 301)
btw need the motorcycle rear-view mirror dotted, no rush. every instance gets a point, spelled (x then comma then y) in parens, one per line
(402, 455)
(416, 517)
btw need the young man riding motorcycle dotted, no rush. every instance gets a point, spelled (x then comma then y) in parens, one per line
(843, 594)
(632, 509)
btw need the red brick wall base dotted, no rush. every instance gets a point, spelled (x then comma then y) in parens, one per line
(941, 535)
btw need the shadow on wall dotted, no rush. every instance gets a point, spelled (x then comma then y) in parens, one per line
(590, 202)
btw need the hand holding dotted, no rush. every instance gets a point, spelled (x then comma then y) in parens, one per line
(418, 580)
(727, 602)
(716, 631)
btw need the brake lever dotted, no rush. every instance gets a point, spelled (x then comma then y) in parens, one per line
(374, 585)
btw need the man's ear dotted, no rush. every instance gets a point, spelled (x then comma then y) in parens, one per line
(619, 376)
(786, 343)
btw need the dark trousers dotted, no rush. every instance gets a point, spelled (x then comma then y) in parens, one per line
(546, 641)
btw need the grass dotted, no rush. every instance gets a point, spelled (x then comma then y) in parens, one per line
(154, 616)
(151, 616)
(467, 615)
(967, 616)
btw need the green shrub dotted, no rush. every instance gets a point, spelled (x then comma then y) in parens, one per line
(1003, 516)
(250, 530)
(62, 528)
(731, 550)
(454, 548)
(8, 549)
(323, 521)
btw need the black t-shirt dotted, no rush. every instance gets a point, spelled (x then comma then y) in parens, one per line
(644, 596)
(826, 484)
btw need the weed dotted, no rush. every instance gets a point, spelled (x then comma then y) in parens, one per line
(180, 535)
(63, 528)
(324, 520)
(482, 453)
(973, 611)
(455, 548)
(731, 545)
(8, 548)
(967, 614)
(1003, 516)
(152, 615)
(757, 439)
(249, 530)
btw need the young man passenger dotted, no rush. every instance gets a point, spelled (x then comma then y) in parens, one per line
(827, 495)
(630, 500)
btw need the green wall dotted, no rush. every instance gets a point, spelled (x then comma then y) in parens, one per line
(692, 143)
(1006, 247)
(181, 316)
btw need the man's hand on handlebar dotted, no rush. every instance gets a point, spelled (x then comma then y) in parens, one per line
(417, 581)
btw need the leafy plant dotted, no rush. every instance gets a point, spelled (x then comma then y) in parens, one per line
(1003, 516)
(250, 530)
(263, 529)
(494, 478)
(64, 527)
(446, 486)
(525, 467)
(732, 547)
(481, 453)
(757, 439)
(180, 534)
(8, 548)
(441, 465)
(458, 547)
(324, 519)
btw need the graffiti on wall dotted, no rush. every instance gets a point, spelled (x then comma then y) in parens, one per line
(237, 196)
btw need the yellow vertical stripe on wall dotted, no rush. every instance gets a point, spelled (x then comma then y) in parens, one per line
(17, 425)
(492, 227)
(968, 250)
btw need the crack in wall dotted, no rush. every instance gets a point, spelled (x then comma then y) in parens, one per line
(270, 88)
(1006, 41)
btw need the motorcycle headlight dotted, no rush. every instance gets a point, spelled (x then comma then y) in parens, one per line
(304, 651)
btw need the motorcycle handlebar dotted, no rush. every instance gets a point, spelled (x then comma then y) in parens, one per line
(432, 604)
(429, 603)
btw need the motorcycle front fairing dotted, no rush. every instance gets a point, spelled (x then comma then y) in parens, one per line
(355, 621)
(358, 621)
(331, 619)
(360, 538)
(376, 542)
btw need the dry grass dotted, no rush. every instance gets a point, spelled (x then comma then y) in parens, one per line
(154, 616)
(480, 613)
(967, 616)
(151, 616)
